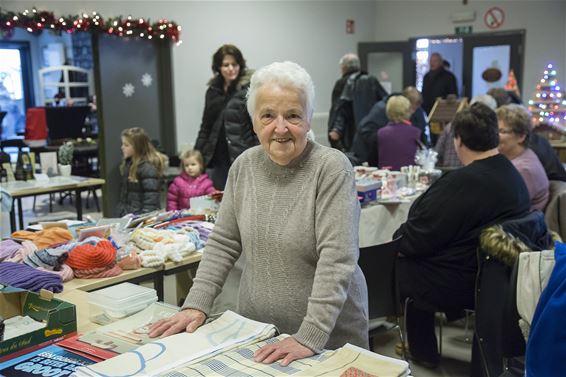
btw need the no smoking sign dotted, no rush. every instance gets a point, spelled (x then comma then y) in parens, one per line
(494, 17)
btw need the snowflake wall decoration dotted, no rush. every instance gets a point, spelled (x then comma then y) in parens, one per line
(128, 90)
(146, 79)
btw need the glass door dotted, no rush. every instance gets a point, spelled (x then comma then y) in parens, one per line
(487, 54)
(390, 62)
(15, 88)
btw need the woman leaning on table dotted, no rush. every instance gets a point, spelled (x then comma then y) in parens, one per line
(289, 205)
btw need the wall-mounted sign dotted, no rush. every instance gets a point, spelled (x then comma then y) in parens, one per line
(461, 30)
(494, 17)
(350, 27)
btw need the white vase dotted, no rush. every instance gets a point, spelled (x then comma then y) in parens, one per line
(65, 170)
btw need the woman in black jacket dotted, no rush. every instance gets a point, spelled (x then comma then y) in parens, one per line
(231, 79)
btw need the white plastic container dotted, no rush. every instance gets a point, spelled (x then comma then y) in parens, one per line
(122, 300)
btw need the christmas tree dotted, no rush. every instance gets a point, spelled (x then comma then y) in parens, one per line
(549, 105)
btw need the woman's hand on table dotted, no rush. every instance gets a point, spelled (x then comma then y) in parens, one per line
(186, 320)
(288, 349)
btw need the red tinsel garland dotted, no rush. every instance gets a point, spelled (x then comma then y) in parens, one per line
(35, 21)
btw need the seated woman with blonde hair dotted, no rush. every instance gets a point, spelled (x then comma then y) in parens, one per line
(398, 141)
(514, 132)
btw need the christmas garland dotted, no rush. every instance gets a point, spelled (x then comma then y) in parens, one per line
(36, 21)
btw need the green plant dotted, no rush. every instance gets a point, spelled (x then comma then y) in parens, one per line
(66, 153)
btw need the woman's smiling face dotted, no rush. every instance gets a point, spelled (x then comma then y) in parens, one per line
(280, 121)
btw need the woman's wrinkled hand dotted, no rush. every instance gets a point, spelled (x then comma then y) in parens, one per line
(186, 320)
(288, 349)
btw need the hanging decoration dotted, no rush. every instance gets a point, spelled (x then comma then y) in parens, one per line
(128, 89)
(549, 103)
(35, 21)
(146, 79)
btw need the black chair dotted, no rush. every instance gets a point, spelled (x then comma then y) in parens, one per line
(497, 335)
(379, 265)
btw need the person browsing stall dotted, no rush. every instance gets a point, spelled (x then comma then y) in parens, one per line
(142, 169)
(441, 235)
(192, 181)
(290, 206)
(514, 133)
(398, 141)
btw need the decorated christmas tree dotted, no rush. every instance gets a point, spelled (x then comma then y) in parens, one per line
(549, 104)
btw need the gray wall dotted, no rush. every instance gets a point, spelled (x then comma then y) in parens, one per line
(312, 33)
(543, 20)
(135, 58)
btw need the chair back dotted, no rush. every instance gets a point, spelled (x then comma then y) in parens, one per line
(13, 143)
(379, 263)
(496, 315)
(555, 211)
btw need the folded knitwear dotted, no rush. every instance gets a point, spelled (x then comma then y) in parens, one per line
(8, 248)
(131, 261)
(23, 276)
(65, 272)
(50, 258)
(26, 249)
(45, 238)
(87, 256)
(98, 272)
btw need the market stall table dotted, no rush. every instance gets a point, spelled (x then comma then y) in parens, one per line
(21, 189)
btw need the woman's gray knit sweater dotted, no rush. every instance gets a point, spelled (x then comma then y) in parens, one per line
(298, 227)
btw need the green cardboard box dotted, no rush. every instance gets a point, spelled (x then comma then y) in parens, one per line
(59, 316)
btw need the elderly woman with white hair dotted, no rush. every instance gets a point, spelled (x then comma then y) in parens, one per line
(290, 207)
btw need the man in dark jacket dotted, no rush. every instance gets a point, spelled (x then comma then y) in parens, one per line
(438, 268)
(360, 92)
(438, 82)
(349, 64)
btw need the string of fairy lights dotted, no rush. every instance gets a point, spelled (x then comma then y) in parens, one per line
(35, 21)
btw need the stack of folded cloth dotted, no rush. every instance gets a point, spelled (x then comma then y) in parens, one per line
(128, 258)
(8, 248)
(23, 276)
(94, 258)
(158, 246)
(52, 260)
(26, 248)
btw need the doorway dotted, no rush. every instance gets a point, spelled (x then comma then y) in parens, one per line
(15, 88)
(468, 56)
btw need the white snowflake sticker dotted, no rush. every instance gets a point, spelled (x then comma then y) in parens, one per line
(146, 79)
(128, 90)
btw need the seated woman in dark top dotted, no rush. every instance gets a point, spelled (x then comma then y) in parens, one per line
(441, 235)
(398, 141)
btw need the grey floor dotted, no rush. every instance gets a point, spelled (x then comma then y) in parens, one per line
(456, 353)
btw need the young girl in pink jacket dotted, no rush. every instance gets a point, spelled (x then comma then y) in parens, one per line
(190, 183)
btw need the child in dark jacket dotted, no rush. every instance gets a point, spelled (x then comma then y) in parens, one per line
(142, 171)
(190, 183)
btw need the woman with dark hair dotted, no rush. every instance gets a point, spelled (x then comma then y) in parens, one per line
(230, 80)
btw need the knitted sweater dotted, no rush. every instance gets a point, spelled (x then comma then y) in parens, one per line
(298, 227)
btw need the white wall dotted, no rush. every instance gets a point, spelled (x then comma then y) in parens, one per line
(312, 33)
(544, 22)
